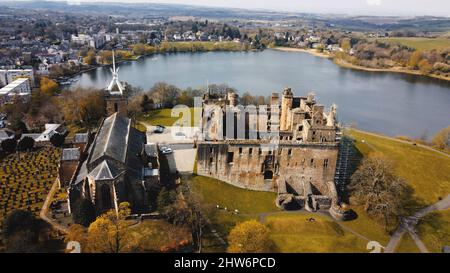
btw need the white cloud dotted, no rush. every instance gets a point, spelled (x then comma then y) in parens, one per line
(373, 2)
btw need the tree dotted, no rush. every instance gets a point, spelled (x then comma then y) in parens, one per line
(83, 212)
(414, 59)
(442, 139)
(425, 67)
(26, 144)
(9, 145)
(164, 93)
(21, 231)
(146, 103)
(90, 58)
(138, 49)
(77, 233)
(57, 140)
(110, 233)
(382, 193)
(48, 86)
(249, 237)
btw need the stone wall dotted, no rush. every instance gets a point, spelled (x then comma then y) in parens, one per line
(252, 167)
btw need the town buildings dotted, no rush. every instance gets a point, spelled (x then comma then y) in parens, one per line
(19, 88)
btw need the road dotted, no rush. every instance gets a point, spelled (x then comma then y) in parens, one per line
(408, 225)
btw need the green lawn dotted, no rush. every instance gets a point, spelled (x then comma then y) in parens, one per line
(293, 233)
(367, 227)
(407, 245)
(427, 172)
(220, 193)
(164, 117)
(290, 232)
(420, 43)
(434, 230)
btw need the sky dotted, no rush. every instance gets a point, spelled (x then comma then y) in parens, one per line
(352, 7)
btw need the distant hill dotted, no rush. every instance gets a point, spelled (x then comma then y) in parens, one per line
(149, 10)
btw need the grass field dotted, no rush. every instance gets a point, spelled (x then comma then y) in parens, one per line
(367, 227)
(434, 230)
(407, 245)
(293, 233)
(427, 172)
(420, 43)
(157, 235)
(219, 193)
(163, 117)
(290, 232)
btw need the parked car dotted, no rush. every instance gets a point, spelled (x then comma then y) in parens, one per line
(159, 129)
(166, 150)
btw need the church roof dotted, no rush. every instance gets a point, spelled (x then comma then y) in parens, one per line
(112, 139)
(104, 171)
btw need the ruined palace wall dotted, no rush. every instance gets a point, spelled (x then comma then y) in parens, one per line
(242, 165)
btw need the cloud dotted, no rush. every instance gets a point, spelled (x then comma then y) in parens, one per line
(373, 2)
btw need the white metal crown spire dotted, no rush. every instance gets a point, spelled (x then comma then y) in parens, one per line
(115, 87)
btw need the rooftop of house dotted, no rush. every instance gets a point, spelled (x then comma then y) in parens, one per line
(71, 154)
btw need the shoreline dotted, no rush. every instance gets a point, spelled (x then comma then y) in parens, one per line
(345, 64)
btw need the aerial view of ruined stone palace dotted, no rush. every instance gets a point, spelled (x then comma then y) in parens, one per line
(290, 147)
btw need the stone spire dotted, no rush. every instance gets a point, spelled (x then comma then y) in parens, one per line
(115, 87)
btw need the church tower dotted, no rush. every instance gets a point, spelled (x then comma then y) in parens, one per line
(116, 100)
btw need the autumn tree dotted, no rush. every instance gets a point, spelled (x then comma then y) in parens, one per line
(77, 233)
(110, 232)
(90, 58)
(425, 67)
(84, 107)
(414, 59)
(249, 237)
(48, 86)
(379, 190)
(442, 139)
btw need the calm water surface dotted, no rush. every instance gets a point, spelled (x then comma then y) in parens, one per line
(390, 103)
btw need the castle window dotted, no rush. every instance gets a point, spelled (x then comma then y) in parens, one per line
(290, 152)
(230, 157)
(325, 163)
(240, 151)
(312, 162)
(250, 150)
(268, 175)
(260, 151)
(106, 196)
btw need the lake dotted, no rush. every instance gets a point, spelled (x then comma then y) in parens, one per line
(389, 103)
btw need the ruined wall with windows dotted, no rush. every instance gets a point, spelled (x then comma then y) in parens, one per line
(289, 147)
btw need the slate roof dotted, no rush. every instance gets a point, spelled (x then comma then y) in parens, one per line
(112, 139)
(104, 171)
(81, 138)
(70, 154)
(116, 148)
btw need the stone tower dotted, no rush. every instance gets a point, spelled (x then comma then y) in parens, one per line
(116, 100)
(286, 106)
